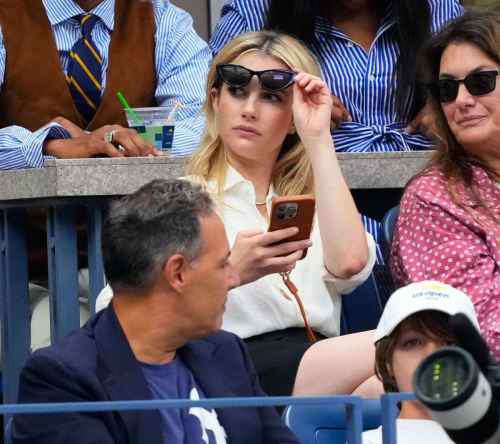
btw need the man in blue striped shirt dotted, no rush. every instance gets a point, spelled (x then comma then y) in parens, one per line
(181, 61)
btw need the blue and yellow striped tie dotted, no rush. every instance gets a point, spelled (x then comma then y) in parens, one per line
(85, 71)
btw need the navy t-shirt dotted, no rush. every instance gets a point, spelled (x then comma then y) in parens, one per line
(189, 426)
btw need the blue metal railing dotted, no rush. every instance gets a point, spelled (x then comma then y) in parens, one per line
(390, 412)
(353, 405)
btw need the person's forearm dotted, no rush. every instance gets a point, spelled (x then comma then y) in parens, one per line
(54, 148)
(342, 232)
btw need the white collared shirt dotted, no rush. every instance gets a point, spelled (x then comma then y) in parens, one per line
(260, 306)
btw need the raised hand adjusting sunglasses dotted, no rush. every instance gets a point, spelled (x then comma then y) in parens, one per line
(238, 76)
(478, 84)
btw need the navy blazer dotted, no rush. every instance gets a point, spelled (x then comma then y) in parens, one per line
(96, 363)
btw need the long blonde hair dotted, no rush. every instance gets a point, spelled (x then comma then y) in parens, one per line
(292, 174)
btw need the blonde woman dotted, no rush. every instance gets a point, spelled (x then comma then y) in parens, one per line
(267, 135)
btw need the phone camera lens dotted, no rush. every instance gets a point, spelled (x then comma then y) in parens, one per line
(292, 211)
(280, 216)
(282, 207)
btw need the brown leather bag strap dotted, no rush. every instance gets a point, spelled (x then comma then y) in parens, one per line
(293, 289)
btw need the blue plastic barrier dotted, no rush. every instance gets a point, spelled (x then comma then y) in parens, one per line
(390, 412)
(63, 275)
(352, 404)
(326, 424)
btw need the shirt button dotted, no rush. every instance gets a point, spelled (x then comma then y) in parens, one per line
(350, 44)
(371, 78)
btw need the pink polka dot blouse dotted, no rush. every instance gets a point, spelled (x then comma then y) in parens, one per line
(435, 239)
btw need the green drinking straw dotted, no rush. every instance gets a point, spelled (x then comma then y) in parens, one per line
(127, 106)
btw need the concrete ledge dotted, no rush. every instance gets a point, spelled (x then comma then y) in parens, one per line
(381, 170)
(107, 177)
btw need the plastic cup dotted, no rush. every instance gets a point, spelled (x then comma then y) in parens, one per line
(156, 125)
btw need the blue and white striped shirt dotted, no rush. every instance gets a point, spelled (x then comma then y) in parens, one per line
(363, 82)
(182, 60)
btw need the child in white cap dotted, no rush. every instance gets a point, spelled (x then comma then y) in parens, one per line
(414, 325)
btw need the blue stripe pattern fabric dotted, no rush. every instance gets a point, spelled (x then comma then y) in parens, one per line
(84, 72)
(373, 227)
(182, 60)
(362, 81)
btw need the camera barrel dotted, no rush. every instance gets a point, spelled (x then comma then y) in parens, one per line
(485, 431)
(471, 340)
(458, 396)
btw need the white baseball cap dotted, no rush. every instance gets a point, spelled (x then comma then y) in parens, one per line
(420, 296)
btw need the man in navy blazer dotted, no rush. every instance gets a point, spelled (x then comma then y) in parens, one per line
(166, 256)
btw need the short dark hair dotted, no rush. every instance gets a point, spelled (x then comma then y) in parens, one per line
(433, 324)
(143, 230)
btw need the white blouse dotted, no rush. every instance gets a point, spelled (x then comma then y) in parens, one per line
(261, 306)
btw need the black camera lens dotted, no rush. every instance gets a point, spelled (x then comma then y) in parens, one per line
(291, 211)
(444, 377)
(280, 216)
(282, 207)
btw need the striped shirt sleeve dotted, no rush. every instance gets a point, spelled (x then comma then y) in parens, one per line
(231, 24)
(443, 11)
(182, 61)
(237, 17)
(20, 148)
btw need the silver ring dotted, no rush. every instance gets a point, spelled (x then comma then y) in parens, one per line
(109, 136)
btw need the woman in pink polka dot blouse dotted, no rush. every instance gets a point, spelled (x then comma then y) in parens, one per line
(449, 222)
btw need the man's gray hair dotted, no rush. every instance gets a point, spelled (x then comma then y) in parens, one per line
(143, 230)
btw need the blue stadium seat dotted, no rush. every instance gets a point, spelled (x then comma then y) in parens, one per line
(325, 424)
(387, 231)
(8, 432)
(361, 309)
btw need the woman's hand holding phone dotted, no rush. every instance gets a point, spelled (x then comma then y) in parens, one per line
(254, 257)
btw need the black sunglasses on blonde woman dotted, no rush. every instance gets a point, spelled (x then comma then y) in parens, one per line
(238, 76)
